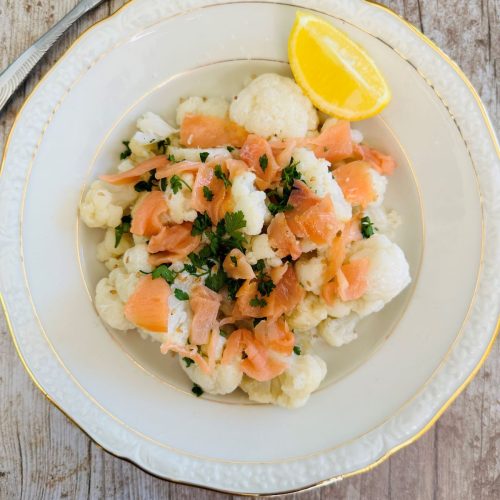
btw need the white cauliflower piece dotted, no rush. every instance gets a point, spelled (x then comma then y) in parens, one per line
(310, 272)
(274, 105)
(319, 178)
(338, 309)
(179, 204)
(193, 154)
(338, 332)
(385, 221)
(308, 314)
(388, 274)
(125, 165)
(293, 387)
(261, 249)
(356, 136)
(109, 304)
(124, 283)
(154, 126)
(113, 263)
(379, 183)
(106, 249)
(104, 203)
(139, 239)
(250, 201)
(136, 259)
(211, 106)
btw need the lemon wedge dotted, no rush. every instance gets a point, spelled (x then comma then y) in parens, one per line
(334, 72)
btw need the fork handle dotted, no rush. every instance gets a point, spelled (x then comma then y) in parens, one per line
(14, 75)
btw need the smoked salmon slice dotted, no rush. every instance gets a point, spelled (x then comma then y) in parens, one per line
(149, 215)
(383, 164)
(350, 282)
(237, 267)
(202, 131)
(334, 143)
(282, 239)
(178, 168)
(275, 335)
(186, 351)
(147, 307)
(356, 182)
(258, 155)
(205, 305)
(312, 217)
(176, 240)
(134, 174)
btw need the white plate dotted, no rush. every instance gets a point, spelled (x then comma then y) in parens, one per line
(382, 391)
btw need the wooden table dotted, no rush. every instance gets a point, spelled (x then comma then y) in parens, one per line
(43, 455)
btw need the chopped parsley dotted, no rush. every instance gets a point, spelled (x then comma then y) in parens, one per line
(123, 227)
(263, 161)
(232, 287)
(171, 158)
(217, 280)
(125, 154)
(162, 145)
(230, 148)
(233, 221)
(163, 271)
(147, 185)
(188, 361)
(367, 228)
(222, 176)
(201, 224)
(257, 302)
(234, 260)
(197, 390)
(208, 193)
(180, 294)
(204, 156)
(265, 286)
(278, 201)
(297, 350)
(176, 184)
(163, 184)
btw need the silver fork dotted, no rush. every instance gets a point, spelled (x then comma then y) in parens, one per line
(14, 75)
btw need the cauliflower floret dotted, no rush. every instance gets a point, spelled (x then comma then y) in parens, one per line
(293, 387)
(154, 126)
(250, 201)
(385, 221)
(261, 249)
(310, 272)
(109, 304)
(308, 314)
(193, 154)
(356, 136)
(274, 105)
(340, 331)
(179, 204)
(124, 283)
(317, 176)
(104, 203)
(107, 250)
(212, 106)
(142, 146)
(125, 165)
(136, 259)
(388, 274)
(379, 183)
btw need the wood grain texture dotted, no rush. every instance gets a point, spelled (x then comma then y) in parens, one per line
(44, 456)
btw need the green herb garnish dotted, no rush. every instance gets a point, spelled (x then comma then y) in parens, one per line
(163, 184)
(234, 260)
(124, 227)
(367, 228)
(278, 201)
(180, 294)
(230, 148)
(217, 280)
(142, 186)
(188, 361)
(162, 145)
(197, 390)
(125, 154)
(208, 193)
(201, 224)
(171, 158)
(163, 271)
(176, 184)
(257, 302)
(263, 161)
(222, 176)
(203, 156)
(297, 350)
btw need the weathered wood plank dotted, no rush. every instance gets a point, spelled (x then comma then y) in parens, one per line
(43, 455)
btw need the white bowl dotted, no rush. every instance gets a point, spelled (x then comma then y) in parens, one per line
(383, 390)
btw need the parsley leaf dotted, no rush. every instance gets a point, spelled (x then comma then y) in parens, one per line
(265, 285)
(230, 148)
(216, 281)
(367, 228)
(222, 176)
(263, 161)
(232, 287)
(188, 361)
(234, 260)
(176, 184)
(197, 390)
(171, 158)
(233, 221)
(123, 227)
(142, 186)
(125, 154)
(259, 266)
(278, 202)
(297, 350)
(162, 145)
(180, 294)
(256, 302)
(163, 271)
(207, 193)
(204, 156)
(200, 224)
(163, 184)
